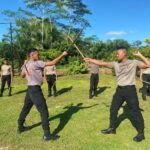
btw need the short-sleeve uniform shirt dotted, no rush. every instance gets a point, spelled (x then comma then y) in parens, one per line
(33, 71)
(126, 72)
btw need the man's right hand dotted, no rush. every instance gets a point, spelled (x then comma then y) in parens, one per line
(137, 53)
(65, 53)
(87, 60)
(25, 62)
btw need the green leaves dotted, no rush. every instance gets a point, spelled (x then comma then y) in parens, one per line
(76, 67)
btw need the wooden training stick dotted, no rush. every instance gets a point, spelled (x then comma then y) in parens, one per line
(76, 47)
(76, 38)
(144, 81)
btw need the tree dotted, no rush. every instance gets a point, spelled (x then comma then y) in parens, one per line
(45, 27)
(120, 43)
(147, 40)
(137, 43)
(66, 14)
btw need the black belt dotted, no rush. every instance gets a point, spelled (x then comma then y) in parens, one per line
(6, 75)
(94, 73)
(50, 74)
(34, 86)
(126, 86)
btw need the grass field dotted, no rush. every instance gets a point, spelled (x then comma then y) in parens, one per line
(75, 118)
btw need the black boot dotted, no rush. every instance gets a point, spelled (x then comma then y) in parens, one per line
(109, 131)
(139, 137)
(1, 92)
(47, 136)
(55, 94)
(9, 94)
(55, 90)
(21, 129)
(144, 97)
(90, 94)
(95, 92)
(49, 93)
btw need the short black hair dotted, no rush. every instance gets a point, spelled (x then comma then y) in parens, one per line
(31, 50)
(5, 59)
(122, 48)
(94, 56)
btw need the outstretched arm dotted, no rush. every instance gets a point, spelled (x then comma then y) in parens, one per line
(24, 69)
(45, 74)
(23, 74)
(99, 62)
(53, 62)
(146, 62)
(141, 73)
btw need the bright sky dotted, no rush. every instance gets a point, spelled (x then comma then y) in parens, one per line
(110, 19)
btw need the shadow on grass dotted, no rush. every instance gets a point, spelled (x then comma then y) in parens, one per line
(106, 105)
(101, 89)
(20, 92)
(127, 114)
(64, 117)
(64, 90)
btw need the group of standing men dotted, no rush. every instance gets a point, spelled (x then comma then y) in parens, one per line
(6, 75)
(125, 70)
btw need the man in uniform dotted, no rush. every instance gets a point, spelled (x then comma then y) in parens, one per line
(50, 76)
(125, 70)
(34, 96)
(94, 79)
(145, 77)
(6, 76)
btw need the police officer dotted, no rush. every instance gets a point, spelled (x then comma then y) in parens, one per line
(50, 76)
(94, 79)
(34, 96)
(6, 76)
(125, 70)
(145, 77)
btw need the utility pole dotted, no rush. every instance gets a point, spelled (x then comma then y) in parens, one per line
(43, 26)
(11, 47)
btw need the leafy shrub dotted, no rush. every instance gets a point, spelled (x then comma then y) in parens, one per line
(76, 67)
(49, 54)
(1, 61)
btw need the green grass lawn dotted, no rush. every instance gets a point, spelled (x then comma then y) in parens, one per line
(75, 118)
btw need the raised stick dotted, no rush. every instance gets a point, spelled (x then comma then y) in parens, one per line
(76, 47)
